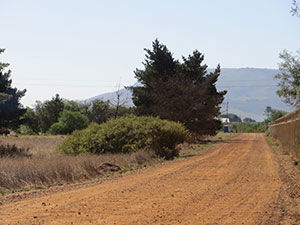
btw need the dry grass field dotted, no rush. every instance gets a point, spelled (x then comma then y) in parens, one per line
(37, 145)
(37, 164)
(40, 172)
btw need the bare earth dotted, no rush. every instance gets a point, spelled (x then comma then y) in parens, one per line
(237, 182)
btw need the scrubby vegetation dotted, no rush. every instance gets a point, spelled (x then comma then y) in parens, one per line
(128, 134)
(258, 127)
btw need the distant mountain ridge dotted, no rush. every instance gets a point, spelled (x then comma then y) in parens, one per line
(250, 90)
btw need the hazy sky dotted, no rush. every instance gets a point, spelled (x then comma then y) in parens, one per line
(80, 49)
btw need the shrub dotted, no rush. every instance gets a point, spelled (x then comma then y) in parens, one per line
(26, 130)
(68, 122)
(128, 134)
(57, 128)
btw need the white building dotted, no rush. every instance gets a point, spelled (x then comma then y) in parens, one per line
(225, 120)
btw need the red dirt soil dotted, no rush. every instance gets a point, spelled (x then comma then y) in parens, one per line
(236, 182)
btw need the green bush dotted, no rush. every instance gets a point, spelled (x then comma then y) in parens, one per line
(26, 130)
(57, 128)
(128, 134)
(68, 122)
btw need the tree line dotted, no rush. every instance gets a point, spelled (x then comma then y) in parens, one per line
(54, 116)
(62, 116)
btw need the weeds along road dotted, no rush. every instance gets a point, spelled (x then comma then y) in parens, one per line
(236, 182)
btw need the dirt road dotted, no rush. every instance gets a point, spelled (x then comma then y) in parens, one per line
(237, 182)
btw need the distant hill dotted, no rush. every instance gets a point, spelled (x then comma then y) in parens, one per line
(125, 96)
(250, 90)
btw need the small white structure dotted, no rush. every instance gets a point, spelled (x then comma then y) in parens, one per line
(225, 120)
(226, 125)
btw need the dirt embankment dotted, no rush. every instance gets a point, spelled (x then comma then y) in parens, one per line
(242, 181)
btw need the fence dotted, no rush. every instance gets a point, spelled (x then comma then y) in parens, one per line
(287, 130)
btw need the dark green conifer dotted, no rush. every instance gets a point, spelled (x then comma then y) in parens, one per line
(183, 92)
(11, 109)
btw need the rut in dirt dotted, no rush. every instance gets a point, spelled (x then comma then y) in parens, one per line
(236, 182)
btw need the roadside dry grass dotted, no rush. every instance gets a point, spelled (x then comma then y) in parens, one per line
(277, 146)
(40, 171)
(274, 143)
(45, 167)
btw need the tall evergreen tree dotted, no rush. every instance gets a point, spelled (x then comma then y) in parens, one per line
(186, 92)
(159, 67)
(10, 107)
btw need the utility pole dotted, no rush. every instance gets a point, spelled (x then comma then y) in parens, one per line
(227, 103)
(298, 95)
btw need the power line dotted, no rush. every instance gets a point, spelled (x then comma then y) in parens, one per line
(113, 81)
(63, 85)
(97, 86)
(61, 80)
(227, 104)
(247, 86)
(242, 80)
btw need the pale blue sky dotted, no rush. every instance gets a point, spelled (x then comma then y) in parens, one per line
(80, 49)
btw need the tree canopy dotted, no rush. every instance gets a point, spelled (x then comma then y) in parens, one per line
(48, 112)
(248, 120)
(11, 109)
(68, 122)
(295, 10)
(289, 78)
(273, 114)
